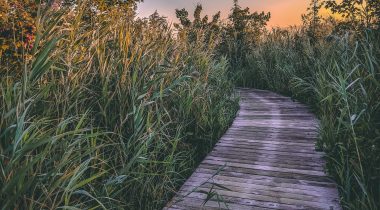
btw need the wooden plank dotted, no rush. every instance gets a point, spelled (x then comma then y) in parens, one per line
(267, 199)
(267, 172)
(267, 183)
(269, 177)
(267, 134)
(268, 161)
(249, 141)
(281, 115)
(258, 158)
(269, 146)
(281, 146)
(271, 132)
(256, 190)
(267, 196)
(268, 152)
(271, 138)
(294, 165)
(271, 158)
(275, 126)
(195, 201)
(263, 155)
(265, 168)
(292, 139)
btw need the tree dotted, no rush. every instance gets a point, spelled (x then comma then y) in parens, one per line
(357, 14)
(312, 21)
(103, 5)
(200, 28)
(242, 33)
(18, 22)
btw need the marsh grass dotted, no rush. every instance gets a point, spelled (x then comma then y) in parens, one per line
(211, 194)
(107, 113)
(339, 77)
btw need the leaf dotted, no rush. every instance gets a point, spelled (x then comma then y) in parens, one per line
(353, 117)
(221, 186)
(88, 180)
(42, 63)
(83, 192)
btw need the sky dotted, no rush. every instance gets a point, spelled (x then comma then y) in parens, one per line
(283, 12)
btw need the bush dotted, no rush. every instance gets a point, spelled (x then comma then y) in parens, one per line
(17, 29)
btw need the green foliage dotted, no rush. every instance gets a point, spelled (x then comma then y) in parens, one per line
(200, 28)
(339, 77)
(17, 28)
(334, 67)
(106, 109)
(107, 113)
(18, 20)
(100, 4)
(234, 40)
(312, 21)
(357, 14)
(240, 35)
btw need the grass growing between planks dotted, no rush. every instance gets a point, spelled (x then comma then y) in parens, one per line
(108, 113)
(339, 76)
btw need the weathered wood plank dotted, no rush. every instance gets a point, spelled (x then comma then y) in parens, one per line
(244, 159)
(270, 147)
(271, 132)
(280, 147)
(258, 156)
(271, 177)
(307, 142)
(264, 167)
(268, 152)
(282, 164)
(291, 203)
(306, 185)
(266, 160)
(268, 183)
(273, 173)
(267, 196)
(195, 202)
(252, 140)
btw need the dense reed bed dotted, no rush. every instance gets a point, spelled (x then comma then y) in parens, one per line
(339, 76)
(108, 112)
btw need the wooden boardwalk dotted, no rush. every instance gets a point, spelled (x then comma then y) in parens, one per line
(266, 160)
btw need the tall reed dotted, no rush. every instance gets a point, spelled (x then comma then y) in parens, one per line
(339, 77)
(109, 113)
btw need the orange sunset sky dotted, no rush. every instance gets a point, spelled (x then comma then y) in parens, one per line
(283, 12)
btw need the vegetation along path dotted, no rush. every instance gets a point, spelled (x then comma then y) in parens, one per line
(266, 160)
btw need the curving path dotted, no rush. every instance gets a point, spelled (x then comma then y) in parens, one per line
(266, 160)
